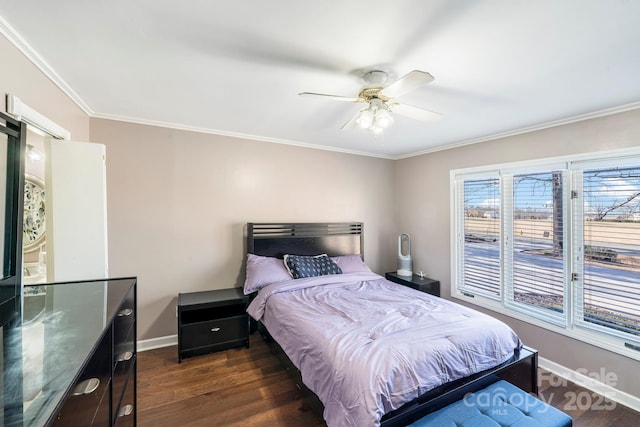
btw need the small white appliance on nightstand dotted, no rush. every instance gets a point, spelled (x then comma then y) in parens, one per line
(405, 264)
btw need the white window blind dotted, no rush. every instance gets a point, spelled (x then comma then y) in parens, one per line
(608, 292)
(535, 267)
(479, 237)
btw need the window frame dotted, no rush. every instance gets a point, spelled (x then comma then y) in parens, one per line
(570, 325)
(559, 319)
(461, 235)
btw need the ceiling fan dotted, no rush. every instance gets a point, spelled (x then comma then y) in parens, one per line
(380, 100)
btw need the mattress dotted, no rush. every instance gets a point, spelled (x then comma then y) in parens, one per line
(365, 345)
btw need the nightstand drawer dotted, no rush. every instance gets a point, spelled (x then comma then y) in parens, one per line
(214, 332)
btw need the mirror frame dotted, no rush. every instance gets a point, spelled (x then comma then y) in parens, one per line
(10, 303)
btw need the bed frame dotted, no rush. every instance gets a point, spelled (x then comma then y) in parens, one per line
(335, 239)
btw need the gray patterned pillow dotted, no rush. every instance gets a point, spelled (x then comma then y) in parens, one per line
(300, 266)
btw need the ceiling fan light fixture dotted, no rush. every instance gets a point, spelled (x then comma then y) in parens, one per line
(376, 117)
(366, 118)
(383, 118)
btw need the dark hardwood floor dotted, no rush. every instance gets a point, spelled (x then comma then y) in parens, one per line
(241, 387)
(250, 387)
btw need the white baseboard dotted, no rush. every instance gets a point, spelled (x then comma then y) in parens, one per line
(160, 342)
(593, 382)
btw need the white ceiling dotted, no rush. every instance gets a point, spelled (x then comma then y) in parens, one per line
(236, 67)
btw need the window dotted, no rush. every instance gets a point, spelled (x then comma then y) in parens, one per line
(481, 225)
(609, 220)
(534, 227)
(556, 240)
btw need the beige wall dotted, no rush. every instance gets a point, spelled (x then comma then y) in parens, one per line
(178, 202)
(423, 210)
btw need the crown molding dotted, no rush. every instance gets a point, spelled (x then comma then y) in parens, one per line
(573, 119)
(29, 52)
(240, 135)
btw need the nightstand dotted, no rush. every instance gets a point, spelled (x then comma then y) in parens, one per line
(212, 321)
(424, 284)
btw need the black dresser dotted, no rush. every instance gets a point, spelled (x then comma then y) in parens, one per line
(72, 359)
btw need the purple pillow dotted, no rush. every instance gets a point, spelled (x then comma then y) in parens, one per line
(262, 271)
(351, 264)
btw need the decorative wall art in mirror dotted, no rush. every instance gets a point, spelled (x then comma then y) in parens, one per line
(33, 232)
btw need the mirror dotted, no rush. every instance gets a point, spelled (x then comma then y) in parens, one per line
(34, 225)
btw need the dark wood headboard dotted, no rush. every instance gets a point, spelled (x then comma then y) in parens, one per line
(331, 238)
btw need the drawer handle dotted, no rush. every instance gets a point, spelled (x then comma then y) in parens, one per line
(125, 410)
(86, 387)
(125, 312)
(215, 329)
(127, 355)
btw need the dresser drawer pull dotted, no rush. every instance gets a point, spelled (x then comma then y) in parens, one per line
(125, 312)
(127, 355)
(86, 387)
(215, 329)
(125, 410)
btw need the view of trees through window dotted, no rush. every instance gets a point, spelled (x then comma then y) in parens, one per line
(538, 240)
(611, 282)
(602, 230)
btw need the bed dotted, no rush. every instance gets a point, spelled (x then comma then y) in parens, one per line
(367, 351)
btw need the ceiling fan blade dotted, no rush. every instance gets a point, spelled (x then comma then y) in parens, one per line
(332, 97)
(415, 113)
(351, 123)
(410, 81)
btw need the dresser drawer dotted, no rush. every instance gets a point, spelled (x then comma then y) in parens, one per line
(125, 415)
(124, 358)
(124, 319)
(103, 414)
(215, 332)
(87, 394)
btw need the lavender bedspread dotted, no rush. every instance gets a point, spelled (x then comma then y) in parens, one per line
(365, 345)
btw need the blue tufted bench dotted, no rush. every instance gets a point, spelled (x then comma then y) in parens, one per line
(500, 404)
